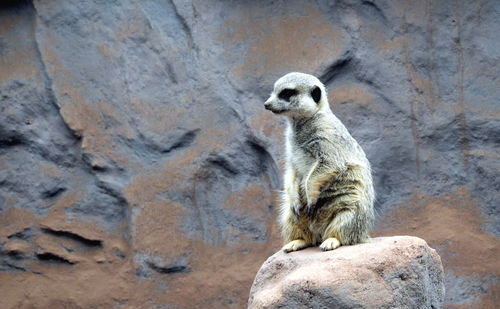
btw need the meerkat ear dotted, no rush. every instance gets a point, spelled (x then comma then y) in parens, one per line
(316, 94)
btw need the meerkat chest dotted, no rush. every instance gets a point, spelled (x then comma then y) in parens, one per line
(301, 160)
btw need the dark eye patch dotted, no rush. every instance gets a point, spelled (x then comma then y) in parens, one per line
(316, 94)
(287, 93)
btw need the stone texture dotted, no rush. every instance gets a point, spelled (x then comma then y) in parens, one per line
(389, 272)
(139, 169)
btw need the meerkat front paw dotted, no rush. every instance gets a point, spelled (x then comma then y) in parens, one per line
(294, 245)
(311, 208)
(311, 198)
(296, 207)
(330, 244)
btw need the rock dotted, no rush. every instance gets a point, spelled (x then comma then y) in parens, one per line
(389, 272)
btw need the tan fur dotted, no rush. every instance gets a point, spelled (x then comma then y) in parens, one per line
(328, 192)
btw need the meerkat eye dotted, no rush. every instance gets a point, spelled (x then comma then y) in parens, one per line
(316, 94)
(287, 93)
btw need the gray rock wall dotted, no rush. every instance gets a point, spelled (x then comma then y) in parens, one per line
(136, 154)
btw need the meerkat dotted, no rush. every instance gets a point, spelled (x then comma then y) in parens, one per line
(328, 191)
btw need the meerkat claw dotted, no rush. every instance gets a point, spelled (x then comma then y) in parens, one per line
(296, 209)
(311, 211)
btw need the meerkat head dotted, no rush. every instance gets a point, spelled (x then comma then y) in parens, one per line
(297, 95)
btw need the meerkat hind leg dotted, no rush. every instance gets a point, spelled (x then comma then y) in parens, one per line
(330, 244)
(295, 245)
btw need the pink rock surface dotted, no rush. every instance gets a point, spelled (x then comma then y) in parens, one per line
(388, 272)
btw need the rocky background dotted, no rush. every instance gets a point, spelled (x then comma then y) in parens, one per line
(139, 169)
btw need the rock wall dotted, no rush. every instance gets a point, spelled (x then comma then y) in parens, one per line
(139, 168)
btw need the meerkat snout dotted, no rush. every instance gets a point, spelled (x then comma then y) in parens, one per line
(268, 105)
